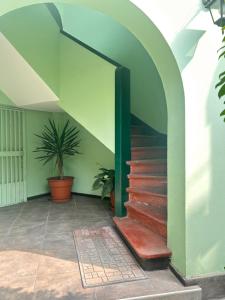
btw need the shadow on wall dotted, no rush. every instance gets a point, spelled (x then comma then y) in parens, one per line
(186, 42)
(206, 243)
(184, 46)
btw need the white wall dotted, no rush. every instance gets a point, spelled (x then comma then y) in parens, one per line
(194, 40)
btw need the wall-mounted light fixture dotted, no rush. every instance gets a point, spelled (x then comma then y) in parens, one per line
(217, 11)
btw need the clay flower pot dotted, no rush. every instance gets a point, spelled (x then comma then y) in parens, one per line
(60, 188)
(112, 200)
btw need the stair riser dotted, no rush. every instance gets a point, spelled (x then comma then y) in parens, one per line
(155, 201)
(147, 141)
(149, 184)
(151, 223)
(138, 130)
(148, 168)
(139, 154)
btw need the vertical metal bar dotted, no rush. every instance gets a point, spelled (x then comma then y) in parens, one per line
(1, 149)
(24, 158)
(6, 162)
(15, 158)
(11, 155)
(19, 157)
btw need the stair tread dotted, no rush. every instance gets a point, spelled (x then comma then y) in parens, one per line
(144, 191)
(155, 213)
(147, 161)
(147, 147)
(146, 176)
(145, 243)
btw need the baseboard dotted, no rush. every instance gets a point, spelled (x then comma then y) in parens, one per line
(213, 286)
(86, 195)
(37, 196)
(73, 193)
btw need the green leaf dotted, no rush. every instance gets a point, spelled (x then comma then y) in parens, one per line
(222, 54)
(97, 184)
(57, 144)
(220, 83)
(221, 92)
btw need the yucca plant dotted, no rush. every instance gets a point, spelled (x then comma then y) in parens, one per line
(105, 181)
(56, 143)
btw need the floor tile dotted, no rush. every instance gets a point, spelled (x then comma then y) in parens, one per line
(54, 265)
(63, 287)
(17, 288)
(18, 263)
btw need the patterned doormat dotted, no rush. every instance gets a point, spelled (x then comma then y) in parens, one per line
(104, 258)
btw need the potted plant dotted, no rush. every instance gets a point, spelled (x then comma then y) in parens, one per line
(56, 144)
(105, 181)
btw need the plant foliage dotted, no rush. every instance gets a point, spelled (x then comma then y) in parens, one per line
(105, 181)
(221, 84)
(56, 143)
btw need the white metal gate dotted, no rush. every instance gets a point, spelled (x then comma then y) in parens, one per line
(12, 156)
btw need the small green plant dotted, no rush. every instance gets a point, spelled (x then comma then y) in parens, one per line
(56, 143)
(105, 181)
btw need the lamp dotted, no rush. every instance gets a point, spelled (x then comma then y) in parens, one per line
(217, 11)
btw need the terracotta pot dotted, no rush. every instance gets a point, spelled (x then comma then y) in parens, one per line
(60, 188)
(112, 200)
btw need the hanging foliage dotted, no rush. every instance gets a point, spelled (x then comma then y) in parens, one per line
(221, 84)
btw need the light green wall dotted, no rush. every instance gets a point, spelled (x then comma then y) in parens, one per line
(110, 38)
(4, 100)
(35, 34)
(87, 90)
(83, 167)
(93, 156)
(36, 172)
(137, 22)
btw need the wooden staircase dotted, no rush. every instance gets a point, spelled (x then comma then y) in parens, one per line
(144, 228)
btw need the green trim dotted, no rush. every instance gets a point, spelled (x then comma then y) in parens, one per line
(122, 134)
(55, 14)
(109, 60)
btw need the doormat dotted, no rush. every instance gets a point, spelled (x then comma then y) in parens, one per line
(104, 258)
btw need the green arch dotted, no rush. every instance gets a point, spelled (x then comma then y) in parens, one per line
(129, 16)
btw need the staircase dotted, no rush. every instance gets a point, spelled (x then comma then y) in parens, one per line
(144, 228)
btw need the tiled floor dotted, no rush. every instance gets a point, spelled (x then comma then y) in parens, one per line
(38, 259)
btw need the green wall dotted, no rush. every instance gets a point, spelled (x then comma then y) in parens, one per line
(147, 32)
(112, 39)
(35, 34)
(87, 90)
(90, 100)
(4, 100)
(83, 167)
(93, 156)
(36, 172)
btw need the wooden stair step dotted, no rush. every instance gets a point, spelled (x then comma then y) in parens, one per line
(139, 130)
(151, 217)
(147, 197)
(143, 241)
(140, 153)
(152, 166)
(138, 140)
(148, 182)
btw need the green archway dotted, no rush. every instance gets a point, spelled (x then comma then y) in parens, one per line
(150, 37)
